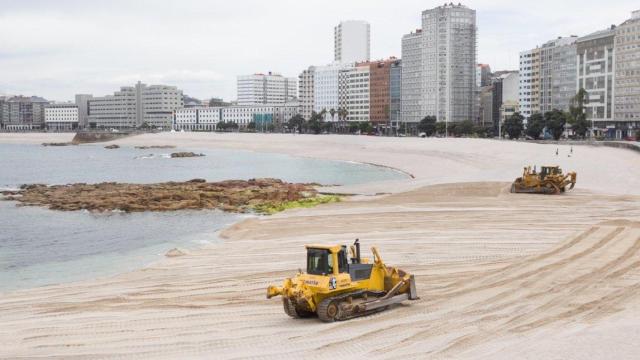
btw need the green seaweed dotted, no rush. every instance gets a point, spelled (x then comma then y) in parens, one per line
(272, 208)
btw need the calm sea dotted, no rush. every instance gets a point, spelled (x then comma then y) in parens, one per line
(41, 247)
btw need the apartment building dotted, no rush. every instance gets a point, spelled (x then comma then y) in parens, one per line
(529, 82)
(22, 113)
(134, 106)
(483, 75)
(445, 51)
(329, 88)
(395, 92)
(412, 105)
(352, 41)
(270, 88)
(627, 78)
(61, 117)
(596, 74)
(548, 76)
(305, 92)
(558, 73)
(357, 93)
(380, 89)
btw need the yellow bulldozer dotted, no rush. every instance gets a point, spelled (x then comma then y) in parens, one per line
(337, 288)
(550, 180)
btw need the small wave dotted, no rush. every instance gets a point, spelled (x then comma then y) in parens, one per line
(142, 157)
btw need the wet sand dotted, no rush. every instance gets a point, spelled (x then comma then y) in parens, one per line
(500, 275)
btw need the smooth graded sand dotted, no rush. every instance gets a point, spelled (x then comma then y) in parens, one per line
(500, 275)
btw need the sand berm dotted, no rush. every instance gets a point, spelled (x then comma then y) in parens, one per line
(500, 275)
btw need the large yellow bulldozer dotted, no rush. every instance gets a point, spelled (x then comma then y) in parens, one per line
(550, 180)
(334, 288)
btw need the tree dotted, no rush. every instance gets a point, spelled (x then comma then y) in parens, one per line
(316, 122)
(296, 122)
(513, 126)
(441, 127)
(365, 127)
(535, 125)
(333, 113)
(251, 126)
(427, 125)
(577, 117)
(555, 120)
(354, 127)
(464, 128)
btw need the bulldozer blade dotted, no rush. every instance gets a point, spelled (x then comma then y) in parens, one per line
(413, 293)
(382, 302)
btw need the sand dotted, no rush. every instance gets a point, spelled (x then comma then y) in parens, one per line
(500, 275)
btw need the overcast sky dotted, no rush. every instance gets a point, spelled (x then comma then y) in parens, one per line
(56, 49)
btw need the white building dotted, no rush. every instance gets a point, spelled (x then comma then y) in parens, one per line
(208, 118)
(627, 77)
(446, 52)
(270, 89)
(61, 117)
(197, 119)
(412, 104)
(352, 41)
(529, 82)
(134, 106)
(326, 88)
(596, 75)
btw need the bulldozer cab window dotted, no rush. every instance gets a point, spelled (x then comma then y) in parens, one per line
(319, 262)
(343, 262)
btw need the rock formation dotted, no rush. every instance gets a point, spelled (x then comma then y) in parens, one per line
(258, 195)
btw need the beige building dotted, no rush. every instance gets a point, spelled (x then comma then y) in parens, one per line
(133, 106)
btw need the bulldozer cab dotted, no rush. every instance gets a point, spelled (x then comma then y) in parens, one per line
(549, 170)
(333, 260)
(326, 260)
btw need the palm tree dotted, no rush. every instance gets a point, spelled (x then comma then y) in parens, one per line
(342, 116)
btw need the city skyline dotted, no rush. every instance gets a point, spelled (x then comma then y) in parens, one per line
(59, 50)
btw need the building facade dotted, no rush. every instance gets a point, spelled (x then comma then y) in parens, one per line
(483, 75)
(329, 88)
(596, 75)
(208, 118)
(412, 107)
(82, 103)
(305, 92)
(627, 78)
(134, 106)
(380, 89)
(548, 76)
(395, 92)
(23, 113)
(357, 93)
(529, 82)
(352, 41)
(61, 117)
(447, 53)
(267, 88)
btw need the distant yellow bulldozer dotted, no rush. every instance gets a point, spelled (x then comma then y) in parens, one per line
(550, 180)
(335, 289)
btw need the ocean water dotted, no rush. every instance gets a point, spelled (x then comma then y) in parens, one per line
(41, 247)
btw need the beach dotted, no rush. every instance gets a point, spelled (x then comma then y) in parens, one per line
(499, 275)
